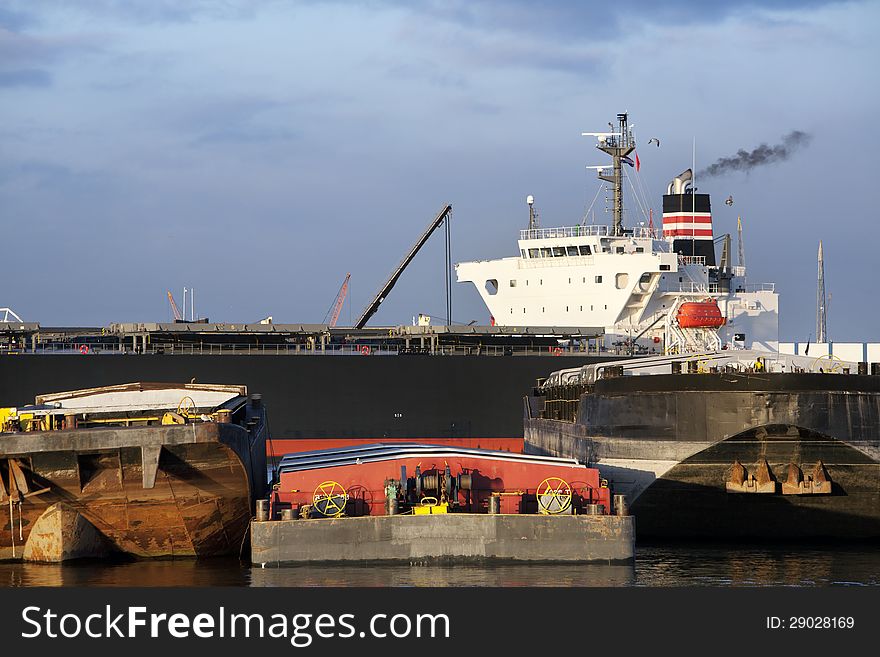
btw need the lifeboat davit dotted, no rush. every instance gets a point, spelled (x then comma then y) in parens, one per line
(700, 314)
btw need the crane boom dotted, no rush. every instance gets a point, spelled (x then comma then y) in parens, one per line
(340, 299)
(174, 307)
(385, 289)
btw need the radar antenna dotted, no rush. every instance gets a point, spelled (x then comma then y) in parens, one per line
(618, 145)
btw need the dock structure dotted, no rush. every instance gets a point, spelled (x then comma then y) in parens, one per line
(454, 537)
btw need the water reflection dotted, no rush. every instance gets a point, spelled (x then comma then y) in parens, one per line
(655, 565)
(447, 575)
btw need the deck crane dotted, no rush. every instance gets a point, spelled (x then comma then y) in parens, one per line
(386, 288)
(174, 308)
(337, 306)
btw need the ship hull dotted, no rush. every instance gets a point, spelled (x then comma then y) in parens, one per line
(411, 397)
(165, 491)
(671, 444)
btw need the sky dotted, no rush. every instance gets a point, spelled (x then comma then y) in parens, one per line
(258, 151)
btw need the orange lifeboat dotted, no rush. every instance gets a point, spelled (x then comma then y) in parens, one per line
(700, 314)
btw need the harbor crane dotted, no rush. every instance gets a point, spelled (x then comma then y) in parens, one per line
(333, 313)
(174, 309)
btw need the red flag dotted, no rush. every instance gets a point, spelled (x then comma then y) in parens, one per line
(638, 163)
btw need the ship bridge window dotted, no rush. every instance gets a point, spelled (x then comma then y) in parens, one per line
(512, 283)
(598, 279)
(585, 249)
(523, 251)
(492, 286)
(558, 251)
(572, 250)
(640, 249)
(546, 252)
(534, 253)
(619, 249)
(664, 267)
(621, 281)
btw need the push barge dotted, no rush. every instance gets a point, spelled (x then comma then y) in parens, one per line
(148, 470)
(728, 444)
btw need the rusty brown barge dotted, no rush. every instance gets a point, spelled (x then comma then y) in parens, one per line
(147, 470)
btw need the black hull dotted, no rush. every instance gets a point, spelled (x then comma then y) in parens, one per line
(407, 396)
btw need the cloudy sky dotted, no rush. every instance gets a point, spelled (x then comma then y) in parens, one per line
(258, 151)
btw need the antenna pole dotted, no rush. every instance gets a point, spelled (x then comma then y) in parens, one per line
(694, 198)
(821, 320)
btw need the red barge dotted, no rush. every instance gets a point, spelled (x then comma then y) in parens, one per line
(416, 503)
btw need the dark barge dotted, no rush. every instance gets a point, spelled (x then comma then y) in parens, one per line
(728, 445)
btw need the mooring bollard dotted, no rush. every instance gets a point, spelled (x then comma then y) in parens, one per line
(495, 504)
(620, 505)
(262, 510)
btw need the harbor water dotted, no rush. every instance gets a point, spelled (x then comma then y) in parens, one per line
(660, 565)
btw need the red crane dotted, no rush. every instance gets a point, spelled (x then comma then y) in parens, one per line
(174, 307)
(340, 299)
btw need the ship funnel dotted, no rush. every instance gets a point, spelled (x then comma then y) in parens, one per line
(687, 219)
(681, 182)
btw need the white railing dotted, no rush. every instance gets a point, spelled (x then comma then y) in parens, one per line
(693, 288)
(691, 260)
(757, 287)
(583, 231)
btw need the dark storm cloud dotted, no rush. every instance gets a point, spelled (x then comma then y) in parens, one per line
(14, 20)
(577, 19)
(28, 77)
(142, 11)
(764, 154)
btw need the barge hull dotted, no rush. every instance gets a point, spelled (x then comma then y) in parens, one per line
(671, 444)
(445, 538)
(168, 491)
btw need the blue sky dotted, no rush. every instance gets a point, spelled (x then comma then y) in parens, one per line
(259, 151)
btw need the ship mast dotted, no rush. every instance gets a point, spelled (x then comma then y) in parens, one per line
(618, 145)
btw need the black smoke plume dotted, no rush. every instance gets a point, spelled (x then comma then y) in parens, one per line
(763, 154)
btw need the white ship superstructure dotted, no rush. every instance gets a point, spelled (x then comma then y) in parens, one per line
(655, 289)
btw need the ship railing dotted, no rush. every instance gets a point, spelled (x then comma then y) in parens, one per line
(359, 349)
(583, 231)
(693, 288)
(757, 287)
(691, 260)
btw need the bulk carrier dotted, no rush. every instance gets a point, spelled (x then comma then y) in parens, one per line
(588, 292)
(573, 296)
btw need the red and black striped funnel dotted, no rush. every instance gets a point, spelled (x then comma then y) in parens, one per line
(687, 219)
